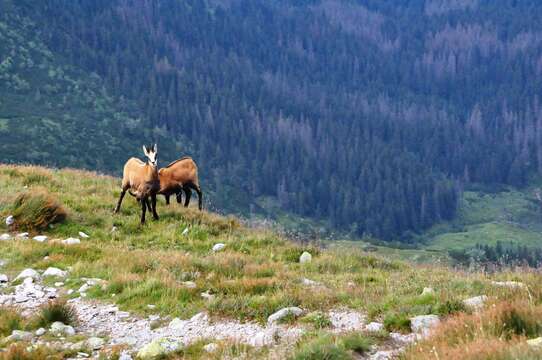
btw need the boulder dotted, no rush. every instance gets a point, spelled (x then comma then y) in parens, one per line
(282, 313)
(158, 349)
(5, 237)
(59, 328)
(10, 220)
(424, 323)
(53, 271)
(374, 327)
(28, 273)
(95, 343)
(83, 235)
(3, 278)
(23, 235)
(18, 335)
(428, 291)
(40, 238)
(210, 348)
(475, 303)
(306, 257)
(40, 332)
(219, 247)
(71, 241)
(535, 343)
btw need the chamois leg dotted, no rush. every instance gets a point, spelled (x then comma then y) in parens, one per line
(117, 208)
(153, 202)
(188, 194)
(143, 210)
(167, 199)
(200, 195)
(179, 195)
(148, 202)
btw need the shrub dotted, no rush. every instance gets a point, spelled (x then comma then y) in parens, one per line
(35, 211)
(56, 311)
(451, 307)
(318, 319)
(321, 348)
(356, 342)
(394, 322)
(9, 320)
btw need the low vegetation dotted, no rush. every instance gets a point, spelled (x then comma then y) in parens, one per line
(169, 263)
(55, 311)
(36, 210)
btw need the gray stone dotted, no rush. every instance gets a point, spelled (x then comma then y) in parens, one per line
(535, 343)
(219, 247)
(509, 284)
(189, 284)
(53, 271)
(18, 335)
(71, 241)
(95, 343)
(308, 282)
(282, 313)
(40, 332)
(306, 257)
(59, 328)
(28, 273)
(475, 303)
(125, 356)
(84, 288)
(83, 235)
(158, 348)
(10, 220)
(40, 238)
(3, 278)
(428, 291)
(374, 327)
(210, 348)
(5, 237)
(423, 324)
(23, 235)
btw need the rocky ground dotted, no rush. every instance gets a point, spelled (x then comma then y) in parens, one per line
(105, 326)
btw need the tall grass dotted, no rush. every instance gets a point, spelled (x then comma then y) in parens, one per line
(36, 210)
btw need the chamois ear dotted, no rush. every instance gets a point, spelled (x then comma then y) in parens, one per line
(155, 148)
(145, 151)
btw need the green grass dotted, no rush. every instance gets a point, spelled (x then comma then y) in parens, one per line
(487, 218)
(255, 275)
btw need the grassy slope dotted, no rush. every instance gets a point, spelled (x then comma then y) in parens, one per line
(507, 216)
(257, 274)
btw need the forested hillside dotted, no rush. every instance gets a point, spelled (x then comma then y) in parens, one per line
(370, 113)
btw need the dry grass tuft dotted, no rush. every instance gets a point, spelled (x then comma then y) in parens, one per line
(36, 210)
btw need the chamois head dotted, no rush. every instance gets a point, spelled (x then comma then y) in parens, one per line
(151, 153)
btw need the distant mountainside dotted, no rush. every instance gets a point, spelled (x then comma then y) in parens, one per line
(369, 114)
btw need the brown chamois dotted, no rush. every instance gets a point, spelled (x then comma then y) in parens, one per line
(180, 175)
(141, 180)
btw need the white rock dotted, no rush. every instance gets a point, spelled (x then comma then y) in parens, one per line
(308, 282)
(509, 284)
(260, 339)
(23, 235)
(59, 284)
(59, 328)
(2, 262)
(219, 247)
(3, 278)
(177, 324)
(40, 332)
(374, 327)
(535, 343)
(305, 257)
(28, 273)
(84, 288)
(82, 355)
(428, 291)
(185, 231)
(282, 313)
(207, 296)
(83, 235)
(5, 237)
(95, 343)
(18, 335)
(151, 306)
(10, 220)
(53, 271)
(189, 284)
(384, 355)
(423, 324)
(158, 348)
(69, 292)
(210, 348)
(125, 356)
(475, 303)
(71, 241)
(40, 238)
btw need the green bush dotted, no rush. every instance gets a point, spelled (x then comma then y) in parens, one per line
(35, 211)
(321, 348)
(395, 322)
(56, 311)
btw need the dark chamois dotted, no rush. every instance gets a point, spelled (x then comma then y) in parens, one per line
(180, 175)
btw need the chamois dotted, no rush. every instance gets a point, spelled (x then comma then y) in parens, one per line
(180, 175)
(141, 180)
